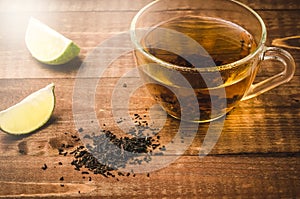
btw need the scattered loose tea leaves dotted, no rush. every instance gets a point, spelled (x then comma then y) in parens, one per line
(44, 167)
(107, 152)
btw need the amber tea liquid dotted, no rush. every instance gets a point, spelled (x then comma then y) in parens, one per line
(223, 43)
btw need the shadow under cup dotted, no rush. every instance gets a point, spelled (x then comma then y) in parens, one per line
(200, 58)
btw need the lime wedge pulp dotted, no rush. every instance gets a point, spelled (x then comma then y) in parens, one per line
(29, 114)
(47, 45)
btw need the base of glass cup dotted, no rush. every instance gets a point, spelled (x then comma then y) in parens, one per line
(198, 121)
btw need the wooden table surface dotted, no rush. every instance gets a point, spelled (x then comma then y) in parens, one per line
(257, 154)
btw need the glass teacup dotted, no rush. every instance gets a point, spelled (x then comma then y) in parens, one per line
(199, 58)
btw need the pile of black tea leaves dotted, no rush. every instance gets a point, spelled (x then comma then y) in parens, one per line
(107, 152)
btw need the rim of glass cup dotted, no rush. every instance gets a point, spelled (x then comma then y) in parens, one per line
(206, 69)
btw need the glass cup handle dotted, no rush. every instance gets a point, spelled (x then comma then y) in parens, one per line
(275, 54)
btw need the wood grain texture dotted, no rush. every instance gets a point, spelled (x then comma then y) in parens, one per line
(212, 177)
(258, 150)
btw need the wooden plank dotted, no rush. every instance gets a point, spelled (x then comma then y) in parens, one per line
(261, 125)
(89, 33)
(272, 5)
(208, 177)
(117, 5)
(71, 6)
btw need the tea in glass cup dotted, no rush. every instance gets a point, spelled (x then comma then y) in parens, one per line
(200, 58)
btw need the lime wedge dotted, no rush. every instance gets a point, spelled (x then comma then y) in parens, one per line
(29, 114)
(47, 45)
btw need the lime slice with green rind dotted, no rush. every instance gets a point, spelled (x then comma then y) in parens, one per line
(30, 114)
(47, 45)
